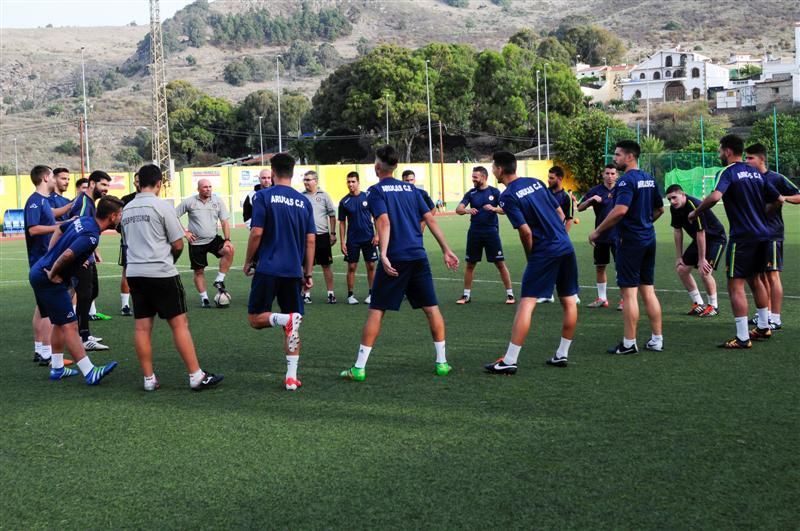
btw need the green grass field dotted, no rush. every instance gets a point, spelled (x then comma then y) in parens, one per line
(694, 437)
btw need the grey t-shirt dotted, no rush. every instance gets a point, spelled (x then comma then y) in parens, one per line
(203, 216)
(323, 208)
(149, 226)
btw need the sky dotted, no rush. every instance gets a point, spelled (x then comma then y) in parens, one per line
(39, 13)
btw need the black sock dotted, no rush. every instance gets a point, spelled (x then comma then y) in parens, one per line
(349, 293)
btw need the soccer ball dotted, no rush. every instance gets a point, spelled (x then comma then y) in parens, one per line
(222, 299)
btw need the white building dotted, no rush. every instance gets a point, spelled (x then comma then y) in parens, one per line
(776, 70)
(606, 82)
(674, 75)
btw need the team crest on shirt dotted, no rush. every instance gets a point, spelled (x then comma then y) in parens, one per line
(622, 183)
(318, 199)
(491, 198)
(363, 203)
(93, 240)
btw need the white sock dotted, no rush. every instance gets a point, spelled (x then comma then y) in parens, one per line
(57, 360)
(85, 365)
(467, 293)
(712, 300)
(46, 352)
(602, 290)
(441, 357)
(510, 292)
(220, 277)
(203, 295)
(124, 299)
(196, 378)
(563, 348)
(279, 319)
(37, 347)
(92, 309)
(741, 328)
(695, 296)
(511, 354)
(291, 366)
(763, 317)
(775, 318)
(628, 343)
(330, 293)
(656, 339)
(150, 379)
(363, 356)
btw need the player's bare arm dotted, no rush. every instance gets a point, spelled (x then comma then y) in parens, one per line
(589, 201)
(176, 249)
(678, 237)
(709, 202)
(342, 234)
(63, 261)
(253, 242)
(614, 217)
(383, 226)
(526, 238)
(308, 262)
(450, 259)
(657, 213)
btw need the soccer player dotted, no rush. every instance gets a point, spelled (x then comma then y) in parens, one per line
(703, 254)
(60, 204)
(481, 203)
(325, 219)
(154, 237)
(409, 176)
(537, 216)
(81, 185)
(555, 177)
(87, 287)
(397, 209)
(40, 224)
(601, 199)
(756, 156)
(264, 181)
(637, 204)
(745, 194)
(357, 236)
(124, 289)
(205, 210)
(51, 275)
(282, 236)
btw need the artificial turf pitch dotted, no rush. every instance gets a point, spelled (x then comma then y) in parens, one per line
(694, 437)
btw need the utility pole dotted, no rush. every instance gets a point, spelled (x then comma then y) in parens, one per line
(16, 159)
(80, 132)
(441, 163)
(538, 119)
(546, 116)
(158, 74)
(85, 114)
(261, 140)
(386, 98)
(278, 78)
(428, 98)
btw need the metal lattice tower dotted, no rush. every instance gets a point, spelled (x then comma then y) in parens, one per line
(161, 153)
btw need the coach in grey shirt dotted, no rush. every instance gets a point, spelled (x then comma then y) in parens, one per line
(155, 241)
(325, 220)
(205, 210)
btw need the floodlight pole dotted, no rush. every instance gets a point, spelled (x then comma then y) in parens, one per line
(85, 114)
(428, 98)
(538, 120)
(261, 140)
(278, 77)
(546, 115)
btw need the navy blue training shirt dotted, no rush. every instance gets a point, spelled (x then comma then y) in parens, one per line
(638, 191)
(745, 194)
(286, 217)
(81, 236)
(405, 207)
(564, 200)
(83, 206)
(706, 221)
(37, 212)
(58, 201)
(484, 220)
(784, 187)
(601, 210)
(426, 198)
(527, 201)
(355, 210)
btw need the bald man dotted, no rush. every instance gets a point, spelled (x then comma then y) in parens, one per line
(206, 209)
(264, 181)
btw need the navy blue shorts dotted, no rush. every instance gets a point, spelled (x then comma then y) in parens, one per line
(477, 242)
(369, 251)
(747, 259)
(713, 253)
(775, 256)
(266, 288)
(414, 281)
(543, 273)
(54, 301)
(636, 265)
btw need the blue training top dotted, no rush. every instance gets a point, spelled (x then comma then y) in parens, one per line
(37, 212)
(484, 220)
(81, 236)
(745, 194)
(355, 210)
(405, 207)
(638, 191)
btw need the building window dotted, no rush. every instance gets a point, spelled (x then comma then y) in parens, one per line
(637, 94)
(668, 62)
(776, 90)
(642, 76)
(695, 93)
(657, 75)
(679, 73)
(695, 72)
(683, 59)
(667, 74)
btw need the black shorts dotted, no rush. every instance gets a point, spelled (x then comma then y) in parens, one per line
(86, 283)
(489, 242)
(713, 253)
(746, 259)
(775, 256)
(603, 253)
(198, 254)
(162, 296)
(266, 288)
(322, 250)
(123, 255)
